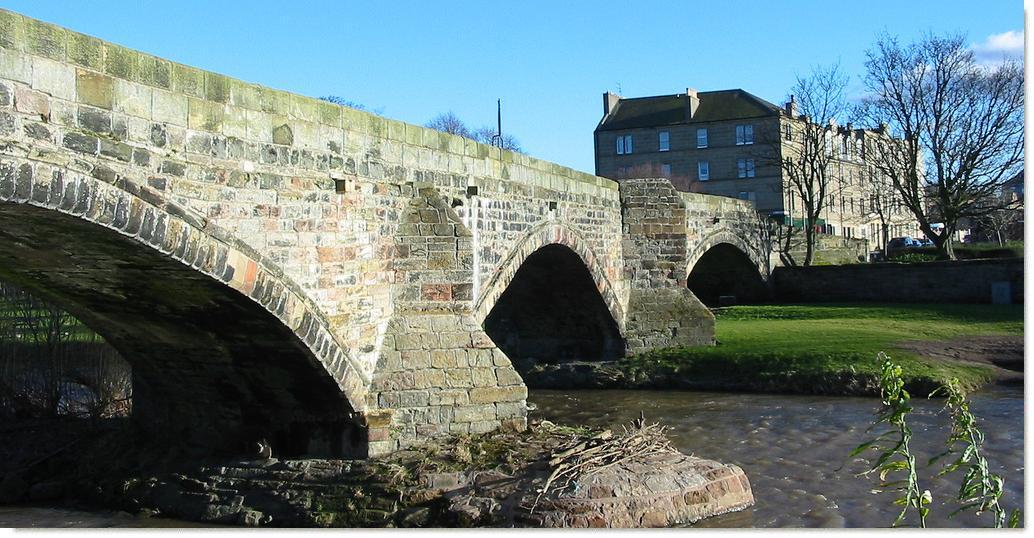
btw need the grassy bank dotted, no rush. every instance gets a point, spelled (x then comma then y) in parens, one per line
(824, 349)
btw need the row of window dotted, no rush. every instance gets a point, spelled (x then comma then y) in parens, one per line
(857, 205)
(744, 137)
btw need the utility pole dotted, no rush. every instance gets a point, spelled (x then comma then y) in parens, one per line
(497, 139)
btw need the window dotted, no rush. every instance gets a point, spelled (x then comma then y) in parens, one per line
(701, 138)
(663, 141)
(624, 144)
(703, 170)
(665, 170)
(748, 195)
(787, 131)
(744, 134)
(745, 168)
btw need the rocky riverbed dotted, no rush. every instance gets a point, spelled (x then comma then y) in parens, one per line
(547, 476)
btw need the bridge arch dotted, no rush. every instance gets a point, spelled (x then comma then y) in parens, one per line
(225, 348)
(542, 235)
(723, 265)
(552, 313)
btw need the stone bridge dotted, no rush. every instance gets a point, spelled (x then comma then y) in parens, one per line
(277, 266)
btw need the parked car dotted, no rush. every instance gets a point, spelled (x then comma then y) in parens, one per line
(925, 242)
(898, 243)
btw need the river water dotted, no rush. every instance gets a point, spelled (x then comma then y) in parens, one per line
(794, 448)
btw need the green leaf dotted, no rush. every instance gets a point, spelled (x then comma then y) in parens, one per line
(963, 508)
(861, 448)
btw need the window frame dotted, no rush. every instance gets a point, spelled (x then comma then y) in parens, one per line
(703, 170)
(664, 141)
(623, 144)
(745, 168)
(744, 134)
(703, 131)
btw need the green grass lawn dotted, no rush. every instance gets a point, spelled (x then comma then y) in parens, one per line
(827, 348)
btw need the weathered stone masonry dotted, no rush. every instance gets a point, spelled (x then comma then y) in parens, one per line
(382, 246)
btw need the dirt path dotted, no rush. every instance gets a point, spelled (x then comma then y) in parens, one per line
(1004, 353)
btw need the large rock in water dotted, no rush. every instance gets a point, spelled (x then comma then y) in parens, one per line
(657, 490)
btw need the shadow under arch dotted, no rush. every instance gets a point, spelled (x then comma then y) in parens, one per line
(725, 274)
(542, 235)
(551, 312)
(223, 351)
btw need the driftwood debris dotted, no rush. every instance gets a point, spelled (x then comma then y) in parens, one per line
(583, 456)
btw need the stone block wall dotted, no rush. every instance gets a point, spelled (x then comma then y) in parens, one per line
(438, 372)
(661, 311)
(963, 281)
(837, 250)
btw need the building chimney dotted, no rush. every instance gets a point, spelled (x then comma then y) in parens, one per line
(610, 101)
(692, 102)
(791, 107)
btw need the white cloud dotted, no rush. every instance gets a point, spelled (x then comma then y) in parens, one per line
(999, 46)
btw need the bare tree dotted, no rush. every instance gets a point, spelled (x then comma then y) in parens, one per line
(448, 122)
(807, 155)
(1003, 218)
(959, 127)
(1000, 221)
(767, 234)
(486, 135)
(51, 365)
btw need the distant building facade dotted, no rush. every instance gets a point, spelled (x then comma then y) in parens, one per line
(730, 143)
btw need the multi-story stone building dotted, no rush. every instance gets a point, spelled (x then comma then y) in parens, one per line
(731, 143)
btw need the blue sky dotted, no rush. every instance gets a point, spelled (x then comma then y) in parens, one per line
(548, 61)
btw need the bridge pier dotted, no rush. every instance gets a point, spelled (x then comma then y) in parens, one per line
(661, 311)
(438, 372)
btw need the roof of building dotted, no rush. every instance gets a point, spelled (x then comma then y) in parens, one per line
(638, 112)
(1015, 180)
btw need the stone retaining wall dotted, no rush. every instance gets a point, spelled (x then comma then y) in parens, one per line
(962, 281)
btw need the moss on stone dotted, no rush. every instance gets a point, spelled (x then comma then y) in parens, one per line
(45, 39)
(11, 30)
(86, 51)
(119, 61)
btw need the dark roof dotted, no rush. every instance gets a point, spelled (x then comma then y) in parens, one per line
(1016, 180)
(662, 110)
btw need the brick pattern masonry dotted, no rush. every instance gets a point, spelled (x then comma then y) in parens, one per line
(379, 243)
